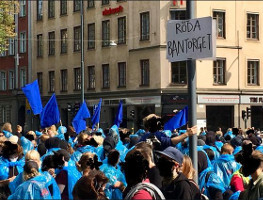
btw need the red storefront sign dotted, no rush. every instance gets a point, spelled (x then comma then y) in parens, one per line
(110, 11)
(175, 2)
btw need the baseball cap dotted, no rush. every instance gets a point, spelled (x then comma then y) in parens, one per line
(172, 153)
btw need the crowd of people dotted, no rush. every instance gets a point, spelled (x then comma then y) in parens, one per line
(57, 163)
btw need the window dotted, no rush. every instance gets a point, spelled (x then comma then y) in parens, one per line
(145, 73)
(253, 72)
(77, 38)
(51, 81)
(178, 72)
(220, 23)
(4, 114)
(91, 72)
(122, 74)
(177, 14)
(22, 7)
(3, 81)
(64, 41)
(22, 77)
(122, 30)
(51, 43)
(105, 2)
(219, 71)
(40, 81)
(11, 47)
(77, 75)
(23, 42)
(106, 33)
(39, 9)
(252, 26)
(3, 53)
(11, 80)
(145, 26)
(51, 8)
(64, 78)
(77, 4)
(91, 4)
(63, 7)
(40, 45)
(91, 36)
(106, 75)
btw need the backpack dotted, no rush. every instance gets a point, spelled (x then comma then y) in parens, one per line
(154, 191)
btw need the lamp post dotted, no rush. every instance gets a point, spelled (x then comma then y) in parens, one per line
(82, 52)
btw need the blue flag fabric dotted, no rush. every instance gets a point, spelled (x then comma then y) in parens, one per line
(32, 94)
(50, 113)
(119, 115)
(180, 119)
(96, 117)
(79, 121)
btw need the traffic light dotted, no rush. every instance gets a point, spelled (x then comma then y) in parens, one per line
(244, 114)
(248, 112)
(76, 107)
(132, 113)
(69, 107)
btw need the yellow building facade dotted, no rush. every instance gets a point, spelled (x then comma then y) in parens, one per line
(136, 70)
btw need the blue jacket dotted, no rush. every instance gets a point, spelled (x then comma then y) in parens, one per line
(49, 181)
(164, 139)
(5, 164)
(224, 167)
(113, 175)
(78, 153)
(34, 188)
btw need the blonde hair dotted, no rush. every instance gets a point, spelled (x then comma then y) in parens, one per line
(32, 133)
(32, 155)
(82, 138)
(227, 149)
(187, 168)
(7, 127)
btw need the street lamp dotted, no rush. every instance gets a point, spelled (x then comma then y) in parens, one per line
(82, 52)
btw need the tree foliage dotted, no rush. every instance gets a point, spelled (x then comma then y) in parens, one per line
(8, 9)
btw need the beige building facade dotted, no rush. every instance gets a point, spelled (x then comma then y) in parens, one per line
(136, 70)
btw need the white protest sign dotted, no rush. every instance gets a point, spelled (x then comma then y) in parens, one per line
(191, 39)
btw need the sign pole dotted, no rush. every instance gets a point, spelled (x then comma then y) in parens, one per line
(191, 66)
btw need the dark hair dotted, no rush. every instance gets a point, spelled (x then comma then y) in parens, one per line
(30, 170)
(113, 157)
(210, 153)
(153, 123)
(90, 186)
(11, 149)
(210, 138)
(48, 163)
(135, 167)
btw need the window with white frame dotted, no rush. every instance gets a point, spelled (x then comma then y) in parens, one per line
(106, 75)
(22, 42)
(77, 76)
(145, 72)
(22, 7)
(105, 33)
(11, 80)
(39, 9)
(252, 26)
(219, 71)
(178, 72)
(145, 25)
(11, 47)
(22, 77)
(2, 80)
(253, 72)
(91, 74)
(51, 81)
(122, 74)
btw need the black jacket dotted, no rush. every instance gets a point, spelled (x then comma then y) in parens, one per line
(180, 188)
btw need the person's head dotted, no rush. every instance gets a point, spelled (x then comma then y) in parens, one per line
(88, 161)
(30, 170)
(43, 138)
(170, 162)
(253, 163)
(113, 157)
(52, 142)
(61, 158)
(11, 149)
(19, 129)
(51, 131)
(210, 138)
(7, 127)
(202, 161)
(33, 155)
(147, 151)
(135, 167)
(187, 168)
(227, 149)
(109, 143)
(91, 186)
(83, 139)
(152, 123)
(48, 163)
(210, 153)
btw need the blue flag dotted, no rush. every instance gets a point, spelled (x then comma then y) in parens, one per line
(79, 121)
(32, 94)
(50, 113)
(119, 115)
(96, 117)
(180, 119)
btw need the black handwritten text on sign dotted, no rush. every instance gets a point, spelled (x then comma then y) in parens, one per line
(190, 39)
